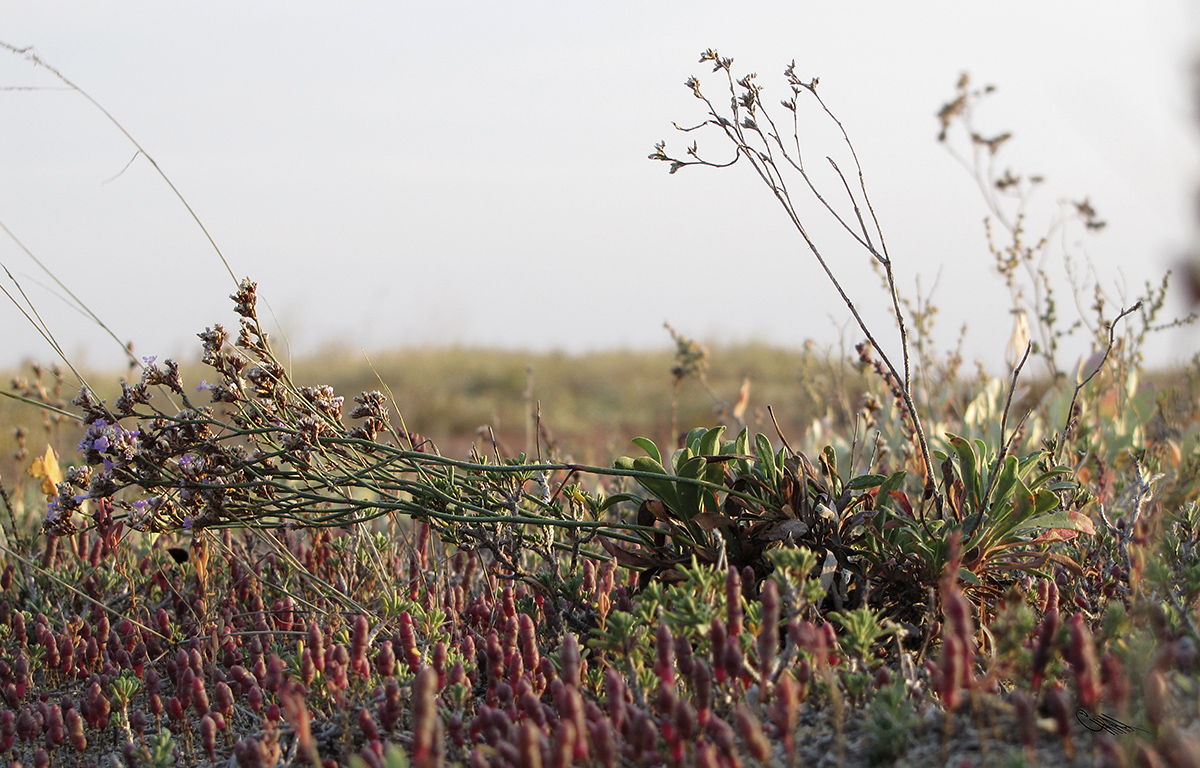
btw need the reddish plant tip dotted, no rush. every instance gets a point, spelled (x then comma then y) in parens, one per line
(276, 674)
(56, 729)
(28, 725)
(18, 628)
(308, 667)
(717, 637)
(768, 636)
(316, 644)
(385, 659)
(569, 660)
(359, 638)
(367, 725)
(208, 736)
(529, 745)
(199, 696)
(8, 729)
(425, 720)
(733, 601)
(1063, 713)
(1083, 661)
(527, 642)
(1156, 697)
(752, 734)
(562, 750)
(249, 753)
(664, 667)
(295, 709)
(408, 642)
(223, 696)
(733, 658)
(1044, 646)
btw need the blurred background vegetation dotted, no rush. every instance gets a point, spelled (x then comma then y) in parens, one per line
(591, 405)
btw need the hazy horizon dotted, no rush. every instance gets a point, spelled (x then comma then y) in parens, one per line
(476, 175)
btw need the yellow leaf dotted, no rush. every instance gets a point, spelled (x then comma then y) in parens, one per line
(47, 470)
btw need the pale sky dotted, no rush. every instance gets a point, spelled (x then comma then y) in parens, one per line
(399, 174)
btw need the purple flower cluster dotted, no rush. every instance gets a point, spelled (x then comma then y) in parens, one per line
(108, 444)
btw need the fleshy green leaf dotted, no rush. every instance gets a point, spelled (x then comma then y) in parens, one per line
(862, 482)
(647, 445)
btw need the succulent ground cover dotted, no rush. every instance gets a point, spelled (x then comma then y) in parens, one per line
(251, 570)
